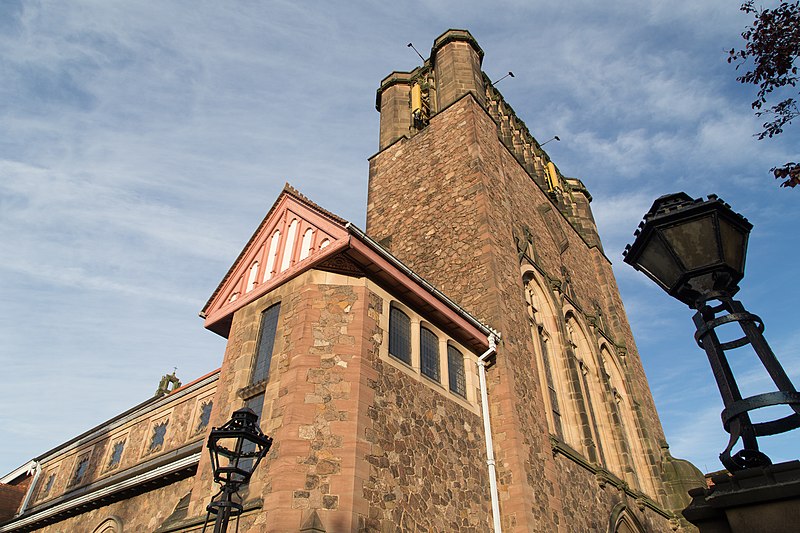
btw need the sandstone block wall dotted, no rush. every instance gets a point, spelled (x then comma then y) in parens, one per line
(311, 402)
(356, 440)
(449, 201)
(59, 483)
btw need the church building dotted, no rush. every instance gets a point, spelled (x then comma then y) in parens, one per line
(464, 363)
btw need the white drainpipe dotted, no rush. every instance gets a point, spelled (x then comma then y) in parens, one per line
(31, 488)
(487, 430)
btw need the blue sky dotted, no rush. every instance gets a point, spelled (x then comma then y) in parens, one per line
(142, 142)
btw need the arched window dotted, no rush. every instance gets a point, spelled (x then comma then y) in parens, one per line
(455, 371)
(288, 248)
(582, 378)
(622, 521)
(400, 335)
(541, 317)
(305, 246)
(623, 411)
(251, 280)
(272, 254)
(429, 353)
(266, 342)
(555, 409)
(109, 525)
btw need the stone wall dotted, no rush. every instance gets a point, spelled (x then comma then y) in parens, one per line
(427, 456)
(449, 202)
(144, 512)
(311, 401)
(87, 465)
(365, 445)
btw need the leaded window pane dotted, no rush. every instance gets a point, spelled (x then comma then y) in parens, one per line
(266, 342)
(455, 371)
(548, 370)
(400, 335)
(429, 354)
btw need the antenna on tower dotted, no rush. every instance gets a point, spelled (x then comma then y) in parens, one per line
(411, 45)
(504, 77)
(555, 138)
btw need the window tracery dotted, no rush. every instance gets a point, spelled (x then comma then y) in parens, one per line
(540, 315)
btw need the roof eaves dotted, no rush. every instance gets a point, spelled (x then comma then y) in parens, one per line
(366, 239)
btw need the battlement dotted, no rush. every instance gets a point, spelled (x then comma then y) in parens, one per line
(407, 101)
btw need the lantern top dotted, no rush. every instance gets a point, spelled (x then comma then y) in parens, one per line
(691, 248)
(682, 205)
(237, 447)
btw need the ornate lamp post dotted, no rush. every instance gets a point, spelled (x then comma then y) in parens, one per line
(236, 448)
(695, 250)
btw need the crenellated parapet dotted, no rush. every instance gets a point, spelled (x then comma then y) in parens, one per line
(519, 141)
(407, 101)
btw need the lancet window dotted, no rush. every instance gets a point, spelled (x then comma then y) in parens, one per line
(266, 343)
(541, 318)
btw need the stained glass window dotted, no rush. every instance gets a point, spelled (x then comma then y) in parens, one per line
(429, 354)
(400, 335)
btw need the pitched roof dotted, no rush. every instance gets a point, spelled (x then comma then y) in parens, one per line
(296, 235)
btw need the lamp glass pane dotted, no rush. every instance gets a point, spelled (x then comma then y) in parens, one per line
(733, 244)
(658, 263)
(694, 242)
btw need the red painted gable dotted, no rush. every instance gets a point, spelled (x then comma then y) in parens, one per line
(295, 234)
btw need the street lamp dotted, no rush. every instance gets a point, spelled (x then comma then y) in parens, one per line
(236, 448)
(695, 250)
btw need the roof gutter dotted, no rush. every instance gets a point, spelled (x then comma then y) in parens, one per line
(487, 432)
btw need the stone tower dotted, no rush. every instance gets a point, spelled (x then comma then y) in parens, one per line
(463, 193)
